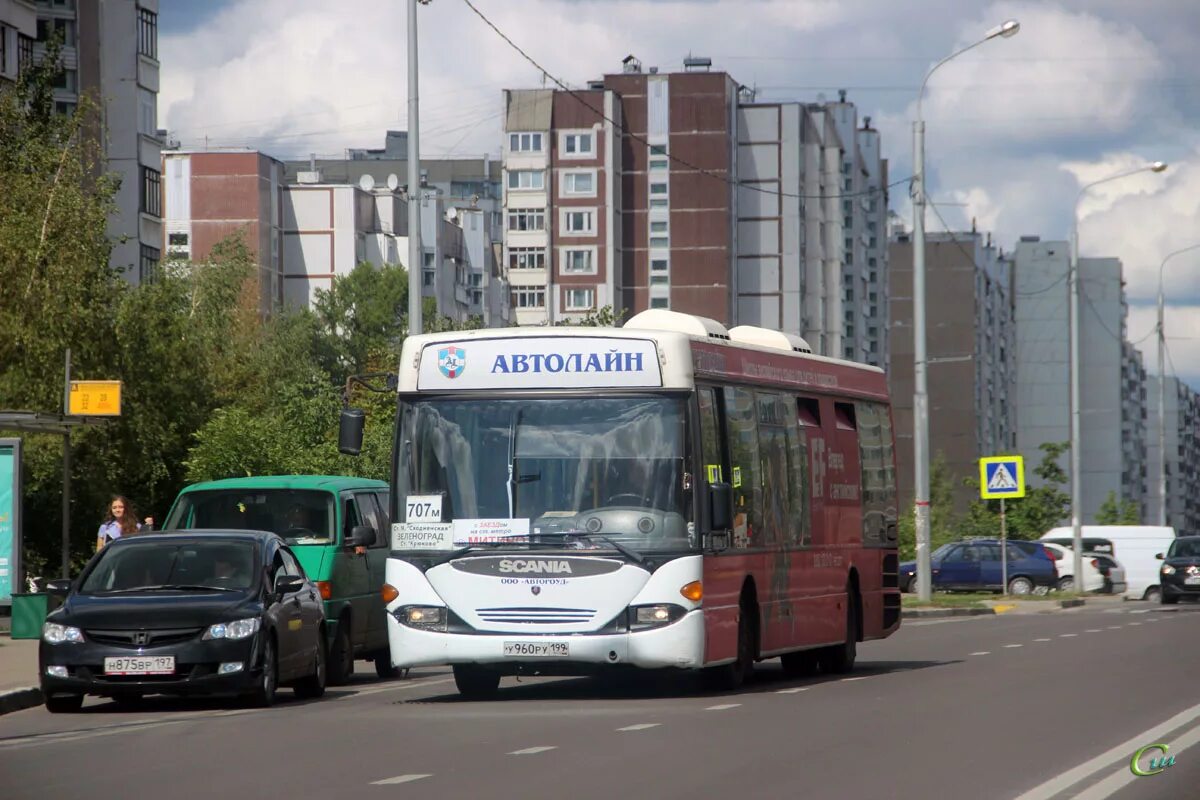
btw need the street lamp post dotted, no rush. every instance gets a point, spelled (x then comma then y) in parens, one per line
(1073, 302)
(1162, 393)
(920, 360)
(415, 256)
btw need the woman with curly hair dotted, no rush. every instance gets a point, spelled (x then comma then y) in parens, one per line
(120, 521)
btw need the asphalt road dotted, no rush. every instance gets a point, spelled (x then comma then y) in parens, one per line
(1032, 706)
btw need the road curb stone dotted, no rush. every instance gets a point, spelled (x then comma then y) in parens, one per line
(933, 613)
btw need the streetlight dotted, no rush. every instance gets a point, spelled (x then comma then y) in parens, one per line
(1162, 394)
(920, 362)
(1073, 292)
(415, 256)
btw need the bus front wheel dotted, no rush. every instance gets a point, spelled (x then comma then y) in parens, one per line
(475, 682)
(839, 659)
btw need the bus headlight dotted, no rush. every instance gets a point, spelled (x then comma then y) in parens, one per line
(428, 618)
(645, 617)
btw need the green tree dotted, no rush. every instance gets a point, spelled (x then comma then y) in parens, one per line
(942, 520)
(1029, 517)
(603, 317)
(1118, 512)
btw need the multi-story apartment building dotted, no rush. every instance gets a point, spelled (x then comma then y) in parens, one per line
(18, 30)
(710, 202)
(110, 53)
(970, 336)
(1182, 439)
(1112, 391)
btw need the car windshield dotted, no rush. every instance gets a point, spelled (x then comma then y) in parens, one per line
(299, 515)
(611, 467)
(152, 565)
(1185, 548)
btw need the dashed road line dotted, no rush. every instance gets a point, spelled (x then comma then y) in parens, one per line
(529, 751)
(641, 726)
(859, 678)
(1114, 627)
(1067, 635)
(793, 690)
(1094, 630)
(982, 653)
(400, 779)
(1014, 645)
(1041, 640)
(1131, 624)
(722, 707)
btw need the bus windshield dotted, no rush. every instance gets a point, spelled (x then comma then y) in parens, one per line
(612, 467)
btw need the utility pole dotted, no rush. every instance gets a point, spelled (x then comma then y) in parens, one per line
(415, 252)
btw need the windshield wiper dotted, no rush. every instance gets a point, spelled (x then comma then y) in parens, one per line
(173, 587)
(628, 552)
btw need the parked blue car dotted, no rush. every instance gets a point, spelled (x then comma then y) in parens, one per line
(974, 565)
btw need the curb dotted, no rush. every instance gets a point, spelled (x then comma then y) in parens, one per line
(933, 613)
(20, 699)
(1072, 603)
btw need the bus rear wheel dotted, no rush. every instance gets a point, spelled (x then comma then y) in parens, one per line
(475, 682)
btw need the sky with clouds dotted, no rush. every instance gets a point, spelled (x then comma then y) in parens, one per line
(1088, 88)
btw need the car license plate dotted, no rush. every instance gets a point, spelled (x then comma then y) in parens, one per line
(140, 665)
(1192, 580)
(537, 649)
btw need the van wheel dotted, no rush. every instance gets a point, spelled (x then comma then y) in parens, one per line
(64, 703)
(839, 659)
(475, 682)
(341, 655)
(1153, 594)
(1020, 585)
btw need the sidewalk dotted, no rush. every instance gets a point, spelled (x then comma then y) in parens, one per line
(18, 674)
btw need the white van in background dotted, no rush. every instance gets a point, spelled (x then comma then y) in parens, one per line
(1134, 546)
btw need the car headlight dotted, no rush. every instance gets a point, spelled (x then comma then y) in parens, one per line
(54, 633)
(429, 618)
(1167, 569)
(645, 617)
(238, 629)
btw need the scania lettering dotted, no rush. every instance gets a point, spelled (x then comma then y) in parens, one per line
(670, 495)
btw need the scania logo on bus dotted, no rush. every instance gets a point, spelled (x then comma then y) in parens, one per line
(452, 361)
(555, 567)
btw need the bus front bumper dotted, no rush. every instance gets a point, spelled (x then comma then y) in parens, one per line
(679, 645)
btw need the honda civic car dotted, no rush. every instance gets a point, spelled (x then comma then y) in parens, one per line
(1180, 570)
(212, 612)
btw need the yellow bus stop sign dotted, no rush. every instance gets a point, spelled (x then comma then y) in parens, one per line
(95, 399)
(1001, 477)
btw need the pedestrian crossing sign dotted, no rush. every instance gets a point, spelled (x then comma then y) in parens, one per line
(1001, 477)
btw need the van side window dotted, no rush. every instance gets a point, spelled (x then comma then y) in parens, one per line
(369, 509)
(350, 517)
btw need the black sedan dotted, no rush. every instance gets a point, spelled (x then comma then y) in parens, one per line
(1179, 575)
(212, 612)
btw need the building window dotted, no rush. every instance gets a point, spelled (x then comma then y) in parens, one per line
(64, 107)
(659, 302)
(147, 112)
(580, 299)
(578, 145)
(579, 261)
(428, 259)
(848, 222)
(659, 280)
(428, 278)
(526, 179)
(849, 184)
(63, 29)
(527, 219)
(658, 149)
(658, 227)
(529, 298)
(658, 265)
(148, 263)
(151, 192)
(177, 245)
(67, 80)
(24, 52)
(579, 222)
(659, 202)
(147, 33)
(527, 258)
(871, 262)
(525, 143)
(659, 163)
(579, 184)
(660, 241)
(658, 188)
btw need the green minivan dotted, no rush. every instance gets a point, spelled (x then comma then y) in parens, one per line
(338, 528)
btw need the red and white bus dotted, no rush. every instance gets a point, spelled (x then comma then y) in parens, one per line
(670, 494)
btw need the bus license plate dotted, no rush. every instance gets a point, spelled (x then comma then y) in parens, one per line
(537, 649)
(140, 665)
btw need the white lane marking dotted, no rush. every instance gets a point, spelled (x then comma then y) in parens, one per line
(1141, 611)
(792, 690)
(1114, 627)
(1131, 624)
(1067, 635)
(859, 678)
(1120, 753)
(982, 653)
(1124, 776)
(399, 779)
(722, 707)
(641, 726)
(1041, 640)
(1093, 630)
(528, 751)
(1014, 645)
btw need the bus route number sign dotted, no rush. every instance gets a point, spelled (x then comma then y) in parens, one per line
(423, 508)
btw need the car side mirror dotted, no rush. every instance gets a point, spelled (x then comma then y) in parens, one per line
(350, 431)
(286, 584)
(361, 536)
(59, 588)
(1159, 556)
(720, 506)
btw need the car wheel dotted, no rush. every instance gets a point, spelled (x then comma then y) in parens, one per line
(731, 677)
(263, 695)
(1066, 584)
(313, 686)
(839, 659)
(1153, 594)
(1168, 599)
(383, 666)
(64, 703)
(475, 682)
(912, 585)
(1020, 585)
(800, 665)
(341, 655)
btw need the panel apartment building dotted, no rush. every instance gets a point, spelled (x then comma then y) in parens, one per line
(1112, 376)
(1182, 438)
(971, 337)
(681, 191)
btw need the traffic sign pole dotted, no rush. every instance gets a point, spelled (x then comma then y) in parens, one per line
(1003, 549)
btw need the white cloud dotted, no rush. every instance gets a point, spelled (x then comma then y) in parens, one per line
(1182, 327)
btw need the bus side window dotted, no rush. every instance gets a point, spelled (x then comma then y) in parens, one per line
(712, 462)
(778, 492)
(799, 530)
(744, 463)
(870, 456)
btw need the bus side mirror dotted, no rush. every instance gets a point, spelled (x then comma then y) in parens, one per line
(350, 431)
(720, 506)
